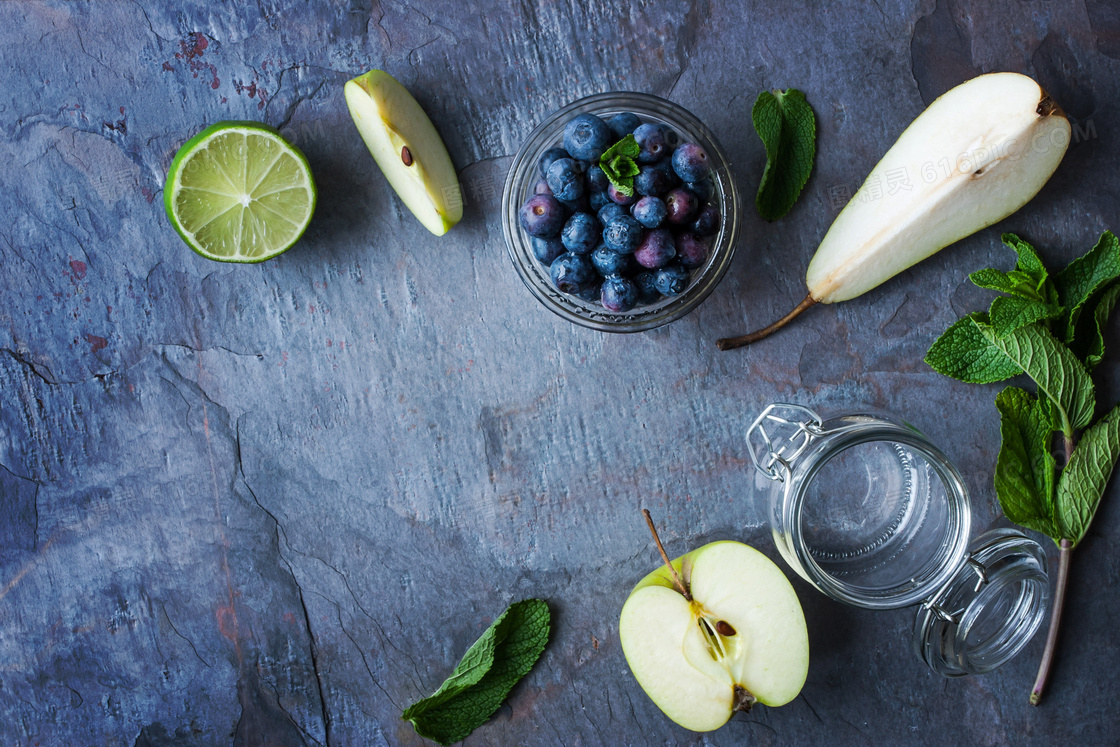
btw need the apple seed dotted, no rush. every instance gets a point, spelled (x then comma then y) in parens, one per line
(724, 628)
(406, 156)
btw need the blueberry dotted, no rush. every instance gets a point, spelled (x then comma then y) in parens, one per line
(692, 251)
(581, 233)
(581, 204)
(623, 124)
(618, 294)
(586, 137)
(571, 273)
(707, 222)
(542, 215)
(565, 179)
(542, 188)
(656, 249)
(646, 282)
(702, 189)
(655, 179)
(609, 211)
(546, 250)
(651, 140)
(609, 262)
(622, 234)
(691, 163)
(671, 280)
(671, 137)
(598, 200)
(681, 204)
(649, 211)
(548, 157)
(619, 197)
(597, 181)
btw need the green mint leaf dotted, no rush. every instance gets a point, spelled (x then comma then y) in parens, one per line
(624, 166)
(788, 129)
(1101, 314)
(1085, 276)
(1009, 313)
(1025, 468)
(494, 664)
(965, 354)
(1085, 477)
(993, 279)
(1056, 370)
(627, 147)
(1029, 261)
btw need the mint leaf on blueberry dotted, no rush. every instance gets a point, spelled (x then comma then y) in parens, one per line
(617, 162)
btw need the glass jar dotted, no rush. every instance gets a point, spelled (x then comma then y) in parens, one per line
(869, 512)
(523, 176)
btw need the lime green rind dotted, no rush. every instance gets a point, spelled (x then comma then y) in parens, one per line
(192, 145)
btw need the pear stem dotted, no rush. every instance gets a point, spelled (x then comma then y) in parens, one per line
(730, 343)
(661, 549)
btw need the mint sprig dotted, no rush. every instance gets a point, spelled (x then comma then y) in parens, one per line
(618, 163)
(1052, 329)
(487, 672)
(788, 129)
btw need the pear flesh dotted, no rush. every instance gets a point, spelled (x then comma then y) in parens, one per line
(407, 148)
(741, 639)
(976, 155)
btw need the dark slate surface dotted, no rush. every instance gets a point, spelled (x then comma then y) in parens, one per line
(274, 504)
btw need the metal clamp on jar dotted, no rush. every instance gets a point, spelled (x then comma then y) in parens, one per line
(868, 511)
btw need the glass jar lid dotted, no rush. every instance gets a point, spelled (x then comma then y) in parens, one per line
(991, 608)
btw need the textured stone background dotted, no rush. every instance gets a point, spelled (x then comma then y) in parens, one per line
(274, 504)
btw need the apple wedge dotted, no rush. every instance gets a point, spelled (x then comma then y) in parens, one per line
(407, 148)
(720, 631)
(977, 154)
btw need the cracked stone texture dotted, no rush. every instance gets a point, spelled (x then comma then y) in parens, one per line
(274, 504)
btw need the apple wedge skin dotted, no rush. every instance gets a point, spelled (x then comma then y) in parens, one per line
(731, 581)
(978, 153)
(390, 119)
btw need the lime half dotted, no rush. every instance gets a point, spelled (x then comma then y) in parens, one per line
(239, 192)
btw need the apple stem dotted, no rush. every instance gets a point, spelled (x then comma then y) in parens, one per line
(1055, 621)
(661, 549)
(730, 343)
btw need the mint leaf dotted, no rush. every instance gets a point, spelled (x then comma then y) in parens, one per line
(964, 353)
(1053, 367)
(617, 162)
(1029, 261)
(785, 123)
(624, 167)
(627, 147)
(488, 671)
(993, 279)
(1009, 313)
(1025, 469)
(1085, 477)
(1101, 314)
(1086, 275)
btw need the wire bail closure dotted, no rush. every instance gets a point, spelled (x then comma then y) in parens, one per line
(770, 455)
(933, 604)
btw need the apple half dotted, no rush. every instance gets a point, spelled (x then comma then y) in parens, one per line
(407, 148)
(740, 639)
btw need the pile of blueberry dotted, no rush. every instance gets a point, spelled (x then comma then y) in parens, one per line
(602, 245)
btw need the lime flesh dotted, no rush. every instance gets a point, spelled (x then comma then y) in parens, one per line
(239, 192)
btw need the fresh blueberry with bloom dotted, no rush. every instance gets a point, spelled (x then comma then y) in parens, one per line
(651, 140)
(655, 179)
(548, 157)
(671, 280)
(623, 124)
(609, 262)
(646, 282)
(681, 205)
(546, 250)
(542, 215)
(655, 249)
(618, 294)
(597, 180)
(704, 190)
(649, 211)
(565, 179)
(622, 234)
(609, 211)
(572, 273)
(598, 200)
(691, 163)
(707, 222)
(581, 233)
(692, 251)
(620, 197)
(581, 204)
(586, 137)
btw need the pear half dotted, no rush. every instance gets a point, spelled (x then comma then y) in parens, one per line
(407, 148)
(741, 639)
(977, 154)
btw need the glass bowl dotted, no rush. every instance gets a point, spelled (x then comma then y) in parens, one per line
(523, 176)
